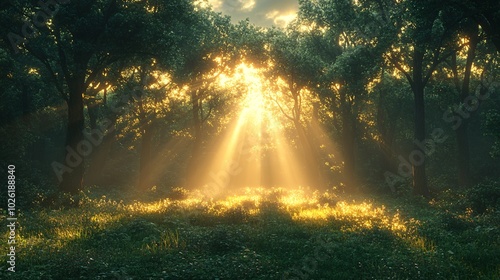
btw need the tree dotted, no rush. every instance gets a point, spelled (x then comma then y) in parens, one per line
(390, 97)
(293, 66)
(485, 13)
(349, 42)
(463, 87)
(419, 49)
(209, 51)
(81, 41)
(26, 125)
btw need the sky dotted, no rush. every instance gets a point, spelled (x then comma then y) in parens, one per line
(265, 13)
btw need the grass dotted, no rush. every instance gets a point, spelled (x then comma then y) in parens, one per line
(255, 234)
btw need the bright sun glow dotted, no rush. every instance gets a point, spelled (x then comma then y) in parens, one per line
(255, 108)
(254, 149)
(281, 18)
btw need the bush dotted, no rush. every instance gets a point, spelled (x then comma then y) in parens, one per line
(224, 239)
(484, 197)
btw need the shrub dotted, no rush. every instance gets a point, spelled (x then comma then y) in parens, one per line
(484, 197)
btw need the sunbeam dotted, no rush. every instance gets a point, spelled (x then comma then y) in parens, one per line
(254, 149)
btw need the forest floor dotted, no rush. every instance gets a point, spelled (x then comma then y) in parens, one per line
(256, 234)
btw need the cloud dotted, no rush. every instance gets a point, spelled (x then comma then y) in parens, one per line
(260, 12)
(216, 4)
(235, 6)
(282, 19)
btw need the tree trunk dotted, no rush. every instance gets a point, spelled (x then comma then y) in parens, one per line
(464, 177)
(348, 146)
(347, 139)
(385, 127)
(93, 111)
(306, 144)
(489, 21)
(145, 181)
(101, 154)
(314, 141)
(194, 162)
(75, 149)
(417, 156)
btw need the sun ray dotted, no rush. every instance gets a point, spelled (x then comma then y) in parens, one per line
(254, 149)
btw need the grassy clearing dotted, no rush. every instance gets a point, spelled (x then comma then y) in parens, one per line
(257, 234)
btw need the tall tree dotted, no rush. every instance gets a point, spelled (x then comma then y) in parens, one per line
(76, 46)
(462, 86)
(347, 38)
(294, 64)
(423, 34)
(207, 53)
(486, 13)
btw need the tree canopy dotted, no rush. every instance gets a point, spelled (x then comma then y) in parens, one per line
(364, 91)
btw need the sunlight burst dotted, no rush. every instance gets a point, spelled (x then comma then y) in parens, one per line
(254, 149)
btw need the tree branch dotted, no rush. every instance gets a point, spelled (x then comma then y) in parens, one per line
(398, 66)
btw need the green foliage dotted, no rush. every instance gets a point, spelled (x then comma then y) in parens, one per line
(168, 240)
(484, 197)
(152, 65)
(109, 239)
(224, 239)
(492, 124)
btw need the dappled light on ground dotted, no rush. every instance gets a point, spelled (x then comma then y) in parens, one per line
(272, 229)
(301, 205)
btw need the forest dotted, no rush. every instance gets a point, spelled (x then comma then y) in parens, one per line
(162, 139)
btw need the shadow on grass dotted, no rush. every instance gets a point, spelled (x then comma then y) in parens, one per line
(254, 235)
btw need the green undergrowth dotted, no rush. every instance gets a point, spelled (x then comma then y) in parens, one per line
(258, 234)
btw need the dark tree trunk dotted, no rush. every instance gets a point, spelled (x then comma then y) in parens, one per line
(194, 163)
(418, 159)
(489, 20)
(386, 130)
(417, 156)
(315, 138)
(92, 109)
(347, 139)
(385, 127)
(75, 150)
(464, 177)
